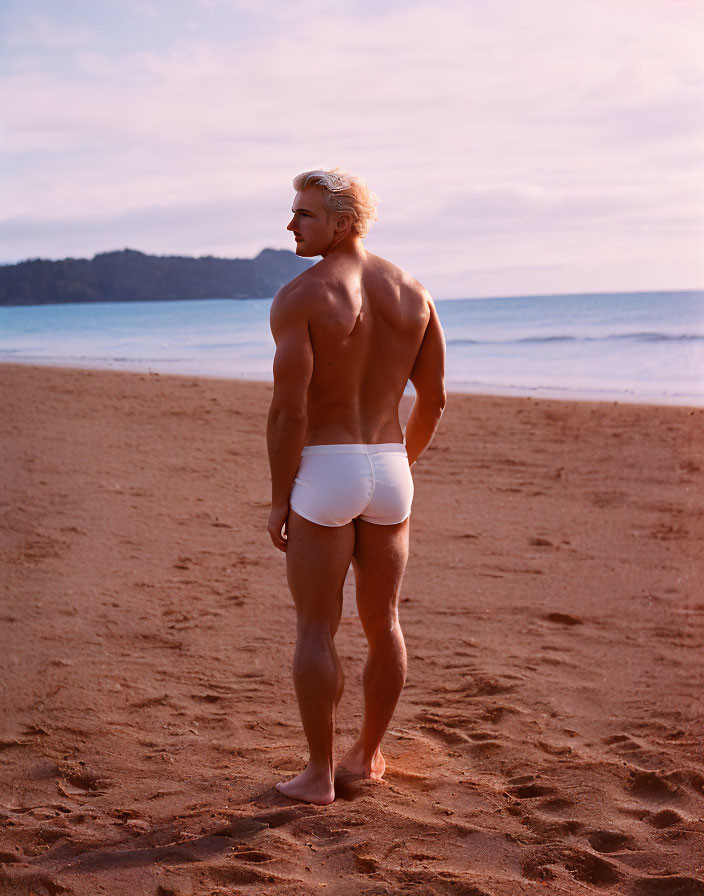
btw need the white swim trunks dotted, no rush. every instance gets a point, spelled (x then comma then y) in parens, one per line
(337, 483)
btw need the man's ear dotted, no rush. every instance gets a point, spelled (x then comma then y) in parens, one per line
(343, 222)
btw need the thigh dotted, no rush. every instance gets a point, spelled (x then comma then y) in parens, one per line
(380, 556)
(317, 560)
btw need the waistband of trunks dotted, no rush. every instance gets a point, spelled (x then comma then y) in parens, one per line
(355, 448)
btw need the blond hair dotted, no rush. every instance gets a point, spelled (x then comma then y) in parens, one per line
(343, 192)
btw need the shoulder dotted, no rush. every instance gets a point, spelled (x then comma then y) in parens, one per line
(411, 295)
(295, 302)
(407, 284)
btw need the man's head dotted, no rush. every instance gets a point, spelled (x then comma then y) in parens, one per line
(328, 207)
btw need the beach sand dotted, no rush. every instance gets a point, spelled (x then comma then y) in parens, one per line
(549, 737)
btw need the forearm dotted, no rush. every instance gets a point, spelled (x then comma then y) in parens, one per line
(421, 427)
(286, 436)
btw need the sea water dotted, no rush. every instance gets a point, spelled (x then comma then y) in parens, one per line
(646, 347)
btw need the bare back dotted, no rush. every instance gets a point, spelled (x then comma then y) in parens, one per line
(366, 321)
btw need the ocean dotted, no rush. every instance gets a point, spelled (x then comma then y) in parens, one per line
(638, 347)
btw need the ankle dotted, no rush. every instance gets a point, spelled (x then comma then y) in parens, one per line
(320, 769)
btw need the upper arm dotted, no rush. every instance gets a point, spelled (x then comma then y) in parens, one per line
(428, 374)
(293, 360)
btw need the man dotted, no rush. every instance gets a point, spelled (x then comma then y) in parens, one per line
(350, 332)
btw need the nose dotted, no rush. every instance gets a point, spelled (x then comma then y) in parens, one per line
(289, 226)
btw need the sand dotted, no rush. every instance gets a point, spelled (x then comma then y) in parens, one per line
(549, 738)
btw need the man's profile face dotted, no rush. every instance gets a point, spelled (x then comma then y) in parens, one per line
(312, 225)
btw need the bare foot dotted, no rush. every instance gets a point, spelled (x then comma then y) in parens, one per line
(310, 786)
(353, 761)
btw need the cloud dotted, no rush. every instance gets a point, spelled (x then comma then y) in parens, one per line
(221, 227)
(35, 31)
(503, 122)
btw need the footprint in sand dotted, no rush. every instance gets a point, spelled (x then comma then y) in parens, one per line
(609, 841)
(241, 875)
(531, 791)
(445, 734)
(183, 563)
(82, 781)
(539, 542)
(557, 804)
(447, 730)
(424, 783)
(207, 698)
(665, 818)
(654, 785)
(484, 686)
(23, 881)
(563, 619)
(499, 713)
(555, 749)
(319, 827)
(637, 751)
(671, 885)
(284, 816)
(245, 854)
(582, 865)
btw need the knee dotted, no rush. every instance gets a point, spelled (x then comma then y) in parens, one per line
(311, 630)
(315, 658)
(382, 630)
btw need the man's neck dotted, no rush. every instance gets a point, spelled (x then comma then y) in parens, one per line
(350, 245)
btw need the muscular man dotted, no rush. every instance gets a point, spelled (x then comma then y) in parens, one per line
(350, 332)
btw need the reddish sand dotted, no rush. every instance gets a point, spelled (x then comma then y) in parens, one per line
(549, 738)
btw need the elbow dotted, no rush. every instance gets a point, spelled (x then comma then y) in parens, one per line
(286, 418)
(440, 407)
(434, 401)
(430, 408)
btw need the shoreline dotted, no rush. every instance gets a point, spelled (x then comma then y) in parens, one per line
(549, 732)
(473, 389)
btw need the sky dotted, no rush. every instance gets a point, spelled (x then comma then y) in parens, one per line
(517, 146)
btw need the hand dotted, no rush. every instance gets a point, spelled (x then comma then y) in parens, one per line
(278, 521)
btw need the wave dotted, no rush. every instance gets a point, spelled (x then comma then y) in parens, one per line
(660, 337)
(642, 393)
(610, 337)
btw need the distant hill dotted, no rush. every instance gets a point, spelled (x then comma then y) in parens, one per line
(131, 276)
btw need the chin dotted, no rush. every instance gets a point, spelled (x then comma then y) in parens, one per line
(304, 252)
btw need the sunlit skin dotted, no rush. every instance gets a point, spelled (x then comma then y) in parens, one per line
(349, 332)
